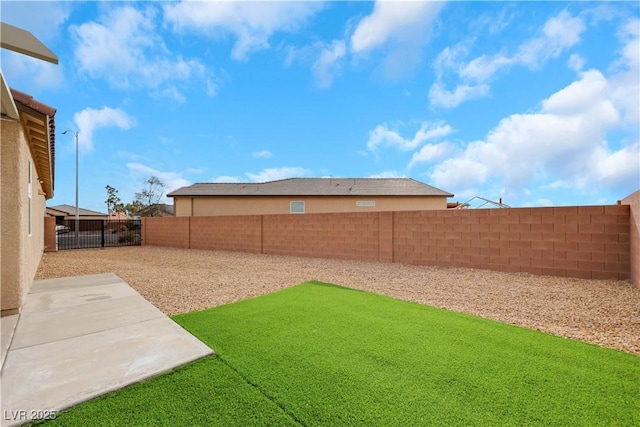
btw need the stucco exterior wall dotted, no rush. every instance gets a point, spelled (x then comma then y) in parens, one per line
(22, 223)
(224, 206)
(182, 206)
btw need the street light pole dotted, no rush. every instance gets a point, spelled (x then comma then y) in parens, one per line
(77, 227)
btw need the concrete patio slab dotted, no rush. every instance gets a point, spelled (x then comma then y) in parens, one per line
(49, 285)
(7, 326)
(44, 301)
(82, 337)
(74, 321)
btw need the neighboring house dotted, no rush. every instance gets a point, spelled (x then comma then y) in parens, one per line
(66, 215)
(27, 159)
(117, 216)
(307, 195)
(68, 212)
(156, 209)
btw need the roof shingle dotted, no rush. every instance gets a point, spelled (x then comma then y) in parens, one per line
(71, 210)
(315, 187)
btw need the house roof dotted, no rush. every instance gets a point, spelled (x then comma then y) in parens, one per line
(71, 210)
(40, 131)
(22, 41)
(315, 187)
(156, 208)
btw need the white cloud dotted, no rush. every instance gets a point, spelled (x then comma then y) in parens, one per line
(328, 63)
(576, 62)
(124, 48)
(225, 179)
(264, 154)
(171, 180)
(90, 120)
(564, 143)
(625, 85)
(458, 174)
(272, 174)
(441, 97)
(44, 22)
(388, 174)
(587, 93)
(484, 67)
(495, 24)
(383, 136)
(22, 70)
(430, 152)
(42, 19)
(325, 59)
(617, 168)
(399, 30)
(450, 58)
(393, 20)
(251, 23)
(173, 93)
(558, 34)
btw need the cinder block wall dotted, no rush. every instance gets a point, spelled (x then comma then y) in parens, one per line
(589, 242)
(352, 236)
(166, 231)
(633, 201)
(579, 241)
(50, 241)
(224, 233)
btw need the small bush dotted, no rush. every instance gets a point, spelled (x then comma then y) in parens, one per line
(127, 238)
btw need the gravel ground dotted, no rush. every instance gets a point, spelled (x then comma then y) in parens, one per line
(601, 312)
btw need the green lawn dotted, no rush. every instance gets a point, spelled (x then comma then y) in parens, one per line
(319, 354)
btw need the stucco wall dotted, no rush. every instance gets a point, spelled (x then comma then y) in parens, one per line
(224, 206)
(633, 201)
(21, 248)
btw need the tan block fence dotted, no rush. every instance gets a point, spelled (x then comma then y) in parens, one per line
(592, 242)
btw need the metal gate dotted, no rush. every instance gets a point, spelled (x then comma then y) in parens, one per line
(97, 233)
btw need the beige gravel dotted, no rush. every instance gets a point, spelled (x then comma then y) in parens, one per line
(601, 312)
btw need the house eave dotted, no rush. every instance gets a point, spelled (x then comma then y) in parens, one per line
(22, 41)
(39, 127)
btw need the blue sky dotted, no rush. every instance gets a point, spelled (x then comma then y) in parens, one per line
(535, 102)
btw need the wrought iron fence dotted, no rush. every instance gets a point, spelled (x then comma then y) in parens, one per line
(97, 233)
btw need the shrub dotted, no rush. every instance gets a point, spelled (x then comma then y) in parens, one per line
(127, 238)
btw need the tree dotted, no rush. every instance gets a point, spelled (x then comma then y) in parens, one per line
(149, 197)
(113, 201)
(131, 209)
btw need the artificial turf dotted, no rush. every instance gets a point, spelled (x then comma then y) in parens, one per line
(320, 354)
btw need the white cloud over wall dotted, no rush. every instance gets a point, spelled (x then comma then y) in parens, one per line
(430, 153)
(584, 137)
(564, 143)
(89, 120)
